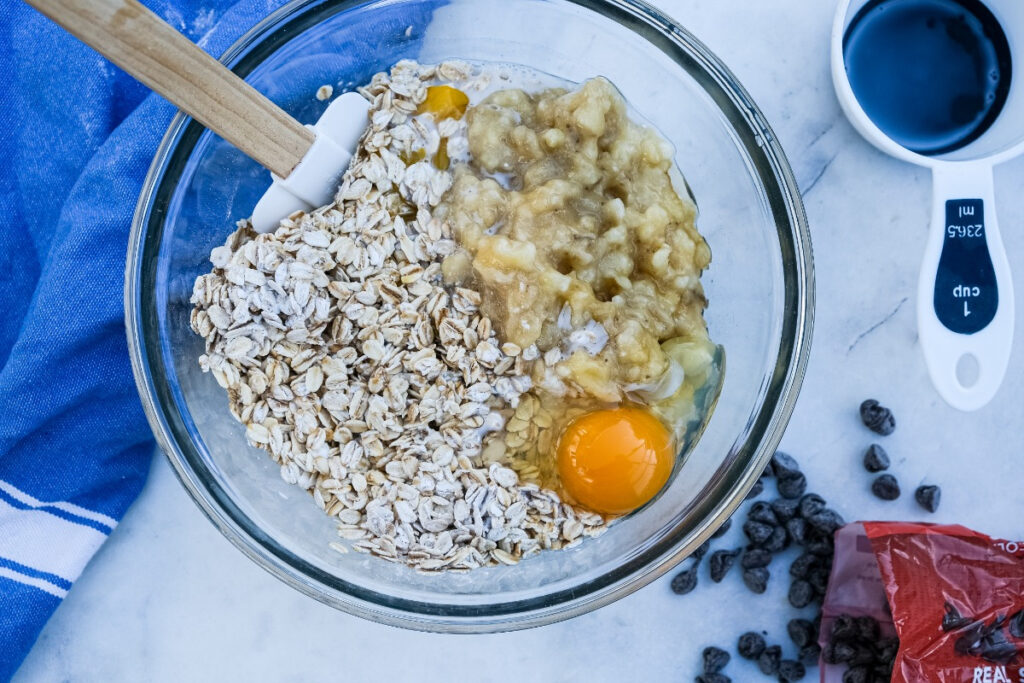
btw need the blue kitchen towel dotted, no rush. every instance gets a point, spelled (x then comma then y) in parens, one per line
(76, 138)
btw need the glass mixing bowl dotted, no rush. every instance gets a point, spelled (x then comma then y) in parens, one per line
(760, 288)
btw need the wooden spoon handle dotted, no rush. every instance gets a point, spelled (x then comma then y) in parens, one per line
(149, 49)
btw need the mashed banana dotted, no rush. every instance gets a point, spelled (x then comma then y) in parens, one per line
(568, 220)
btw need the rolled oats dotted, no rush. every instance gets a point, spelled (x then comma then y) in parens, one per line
(372, 384)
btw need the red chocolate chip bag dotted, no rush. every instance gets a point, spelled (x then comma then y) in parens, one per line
(954, 598)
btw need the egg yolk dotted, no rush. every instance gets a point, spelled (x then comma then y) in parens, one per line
(613, 461)
(444, 102)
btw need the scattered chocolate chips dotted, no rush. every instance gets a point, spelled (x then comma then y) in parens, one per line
(722, 529)
(1016, 625)
(877, 417)
(784, 466)
(876, 459)
(791, 670)
(928, 497)
(756, 579)
(979, 639)
(952, 619)
(797, 530)
(819, 545)
(802, 565)
(810, 653)
(721, 562)
(818, 578)
(750, 645)
(755, 557)
(826, 522)
(810, 505)
(785, 509)
(857, 674)
(778, 541)
(886, 487)
(757, 532)
(801, 593)
(762, 511)
(857, 643)
(769, 659)
(685, 581)
(713, 678)
(793, 487)
(715, 659)
(801, 632)
(867, 628)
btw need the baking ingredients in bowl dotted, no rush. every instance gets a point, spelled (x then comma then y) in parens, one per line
(377, 348)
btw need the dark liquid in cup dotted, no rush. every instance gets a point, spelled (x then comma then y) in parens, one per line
(931, 74)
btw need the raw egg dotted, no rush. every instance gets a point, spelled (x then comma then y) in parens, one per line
(613, 461)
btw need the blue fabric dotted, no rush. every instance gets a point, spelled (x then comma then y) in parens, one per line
(76, 138)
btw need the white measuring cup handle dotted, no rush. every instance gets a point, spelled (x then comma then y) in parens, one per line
(965, 295)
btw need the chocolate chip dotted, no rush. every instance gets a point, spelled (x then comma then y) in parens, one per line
(722, 529)
(864, 654)
(785, 466)
(818, 578)
(970, 642)
(876, 459)
(843, 628)
(843, 653)
(877, 417)
(827, 521)
(801, 593)
(756, 579)
(928, 497)
(887, 649)
(797, 530)
(801, 632)
(810, 653)
(685, 581)
(802, 565)
(1016, 625)
(810, 505)
(755, 557)
(778, 541)
(952, 619)
(996, 648)
(750, 645)
(819, 544)
(784, 509)
(886, 487)
(756, 490)
(867, 628)
(768, 661)
(721, 562)
(715, 659)
(794, 487)
(761, 511)
(791, 670)
(713, 678)
(757, 532)
(858, 674)
(701, 551)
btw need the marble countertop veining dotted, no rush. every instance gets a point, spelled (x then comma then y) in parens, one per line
(169, 599)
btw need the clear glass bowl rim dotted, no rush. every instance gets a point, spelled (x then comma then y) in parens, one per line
(769, 424)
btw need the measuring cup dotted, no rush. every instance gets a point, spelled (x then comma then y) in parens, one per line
(965, 309)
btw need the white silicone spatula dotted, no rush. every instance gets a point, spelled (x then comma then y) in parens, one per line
(306, 162)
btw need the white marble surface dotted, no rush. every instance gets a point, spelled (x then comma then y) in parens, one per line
(168, 598)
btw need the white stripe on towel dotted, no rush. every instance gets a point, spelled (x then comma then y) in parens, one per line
(34, 582)
(45, 542)
(66, 507)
